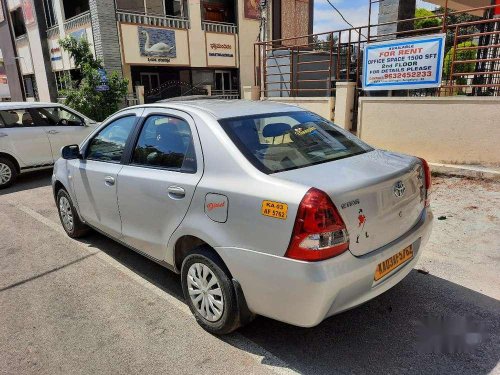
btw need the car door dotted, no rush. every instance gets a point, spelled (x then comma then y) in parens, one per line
(24, 139)
(62, 126)
(156, 187)
(95, 175)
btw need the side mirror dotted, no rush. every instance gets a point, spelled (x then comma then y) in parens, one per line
(71, 152)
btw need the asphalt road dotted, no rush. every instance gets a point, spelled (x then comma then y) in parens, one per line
(93, 306)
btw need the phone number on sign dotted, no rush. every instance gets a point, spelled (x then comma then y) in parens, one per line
(426, 73)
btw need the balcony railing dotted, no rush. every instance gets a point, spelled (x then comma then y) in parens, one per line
(147, 19)
(22, 38)
(53, 31)
(219, 27)
(226, 94)
(77, 21)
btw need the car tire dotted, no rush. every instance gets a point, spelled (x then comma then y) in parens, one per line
(70, 220)
(220, 315)
(8, 173)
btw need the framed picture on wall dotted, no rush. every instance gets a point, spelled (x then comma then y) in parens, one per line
(251, 9)
(29, 15)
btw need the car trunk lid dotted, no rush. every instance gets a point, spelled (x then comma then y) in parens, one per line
(380, 195)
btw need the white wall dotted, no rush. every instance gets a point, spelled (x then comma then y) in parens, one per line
(463, 130)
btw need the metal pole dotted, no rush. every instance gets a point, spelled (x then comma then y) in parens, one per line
(369, 19)
(445, 16)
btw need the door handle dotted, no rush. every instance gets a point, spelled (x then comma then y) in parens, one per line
(108, 180)
(176, 192)
(3, 135)
(52, 132)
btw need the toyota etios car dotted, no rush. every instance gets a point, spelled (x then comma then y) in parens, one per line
(32, 135)
(263, 208)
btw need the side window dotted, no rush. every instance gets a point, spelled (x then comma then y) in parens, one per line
(165, 142)
(57, 116)
(109, 143)
(17, 118)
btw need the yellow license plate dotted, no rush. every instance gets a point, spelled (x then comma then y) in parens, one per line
(277, 210)
(393, 262)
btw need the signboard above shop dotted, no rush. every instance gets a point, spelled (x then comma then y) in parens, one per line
(409, 63)
(221, 50)
(154, 45)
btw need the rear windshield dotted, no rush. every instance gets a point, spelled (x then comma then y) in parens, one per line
(282, 141)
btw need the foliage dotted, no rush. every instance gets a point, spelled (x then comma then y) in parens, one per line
(425, 23)
(454, 19)
(324, 45)
(82, 95)
(460, 55)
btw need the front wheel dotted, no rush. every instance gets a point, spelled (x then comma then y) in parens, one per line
(209, 292)
(8, 173)
(70, 220)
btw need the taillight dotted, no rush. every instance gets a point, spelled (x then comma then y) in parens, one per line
(319, 231)
(428, 182)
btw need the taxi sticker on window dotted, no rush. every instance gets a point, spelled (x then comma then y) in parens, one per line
(274, 209)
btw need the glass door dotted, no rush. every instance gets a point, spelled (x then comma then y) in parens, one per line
(223, 81)
(151, 82)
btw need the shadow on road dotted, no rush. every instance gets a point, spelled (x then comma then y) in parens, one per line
(30, 180)
(378, 337)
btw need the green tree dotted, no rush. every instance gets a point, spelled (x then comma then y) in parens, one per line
(454, 19)
(83, 94)
(460, 55)
(324, 45)
(429, 21)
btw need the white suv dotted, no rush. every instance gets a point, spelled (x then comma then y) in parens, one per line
(32, 135)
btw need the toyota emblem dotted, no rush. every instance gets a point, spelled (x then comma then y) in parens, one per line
(399, 189)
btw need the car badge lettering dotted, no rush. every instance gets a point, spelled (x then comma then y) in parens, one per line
(399, 189)
(213, 205)
(345, 205)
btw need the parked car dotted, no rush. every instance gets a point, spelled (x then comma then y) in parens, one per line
(32, 135)
(263, 208)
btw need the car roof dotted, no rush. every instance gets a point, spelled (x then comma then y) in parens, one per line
(226, 108)
(21, 105)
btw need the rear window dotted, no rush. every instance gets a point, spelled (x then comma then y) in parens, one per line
(282, 141)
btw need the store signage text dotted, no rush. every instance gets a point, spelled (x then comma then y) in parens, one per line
(407, 64)
(216, 46)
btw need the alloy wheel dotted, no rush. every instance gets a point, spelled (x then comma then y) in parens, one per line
(66, 213)
(205, 292)
(5, 174)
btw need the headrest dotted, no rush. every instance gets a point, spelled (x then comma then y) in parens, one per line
(10, 118)
(275, 130)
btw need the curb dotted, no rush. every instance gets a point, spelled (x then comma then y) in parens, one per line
(467, 171)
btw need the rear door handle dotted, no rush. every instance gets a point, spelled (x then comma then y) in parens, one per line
(108, 180)
(3, 135)
(176, 192)
(52, 132)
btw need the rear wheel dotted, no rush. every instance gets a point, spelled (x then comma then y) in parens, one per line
(8, 173)
(209, 292)
(69, 217)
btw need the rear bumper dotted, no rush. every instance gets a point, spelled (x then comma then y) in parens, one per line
(305, 293)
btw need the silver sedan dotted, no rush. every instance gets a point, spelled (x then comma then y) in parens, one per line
(263, 208)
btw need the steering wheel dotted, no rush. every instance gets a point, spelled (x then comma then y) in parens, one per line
(62, 122)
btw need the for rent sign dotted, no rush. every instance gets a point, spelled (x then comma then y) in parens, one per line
(406, 64)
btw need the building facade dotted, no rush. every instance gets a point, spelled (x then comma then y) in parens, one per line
(169, 47)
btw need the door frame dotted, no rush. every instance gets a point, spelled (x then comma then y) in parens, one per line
(219, 71)
(150, 75)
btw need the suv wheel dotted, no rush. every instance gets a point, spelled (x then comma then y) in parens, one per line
(8, 173)
(209, 292)
(69, 217)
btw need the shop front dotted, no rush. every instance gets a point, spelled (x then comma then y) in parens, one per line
(166, 63)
